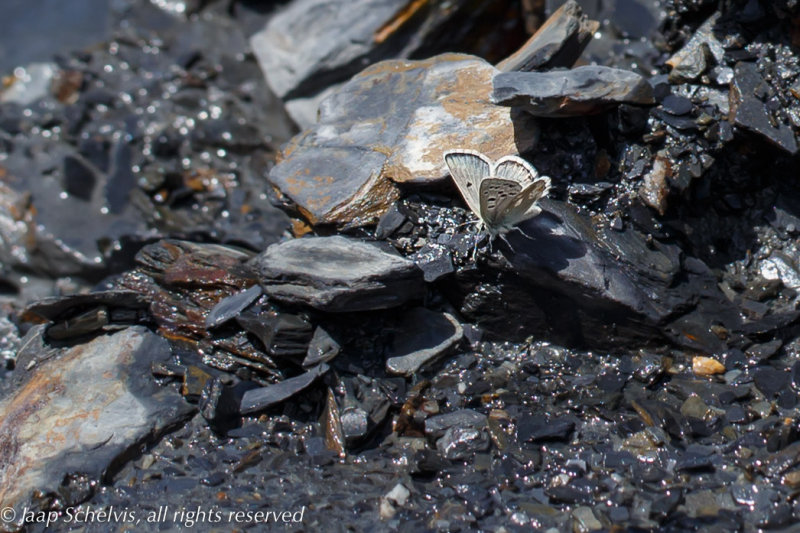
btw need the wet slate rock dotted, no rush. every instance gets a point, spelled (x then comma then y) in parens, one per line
(462, 442)
(219, 403)
(577, 92)
(60, 233)
(390, 222)
(677, 105)
(255, 400)
(434, 260)
(770, 381)
(337, 274)
(751, 113)
(436, 426)
(231, 306)
(422, 336)
(558, 42)
(60, 307)
(344, 169)
(536, 428)
(283, 335)
(93, 405)
(585, 283)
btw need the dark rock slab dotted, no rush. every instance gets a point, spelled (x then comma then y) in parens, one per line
(343, 170)
(434, 260)
(770, 380)
(586, 283)
(337, 274)
(422, 336)
(564, 93)
(59, 307)
(282, 334)
(84, 409)
(751, 113)
(558, 42)
(532, 428)
(261, 398)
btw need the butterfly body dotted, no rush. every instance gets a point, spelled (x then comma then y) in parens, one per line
(501, 194)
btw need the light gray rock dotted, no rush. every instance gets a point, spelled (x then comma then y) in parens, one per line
(337, 274)
(30, 83)
(314, 41)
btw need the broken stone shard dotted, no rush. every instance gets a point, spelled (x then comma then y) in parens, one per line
(257, 399)
(559, 42)
(565, 93)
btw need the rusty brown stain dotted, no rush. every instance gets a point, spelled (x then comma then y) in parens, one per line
(27, 401)
(300, 227)
(399, 18)
(368, 203)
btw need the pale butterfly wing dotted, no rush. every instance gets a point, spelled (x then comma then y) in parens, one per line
(523, 206)
(514, 168)
(495, 196)
(468, 168)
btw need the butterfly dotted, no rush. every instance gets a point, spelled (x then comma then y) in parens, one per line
(501, 194)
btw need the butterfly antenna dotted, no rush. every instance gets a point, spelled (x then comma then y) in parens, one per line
(466, 224)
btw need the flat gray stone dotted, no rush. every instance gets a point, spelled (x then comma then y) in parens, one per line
(344, 170)
(424, 336)
(313, 40)
(567, 93)
(261, 398)
(84, 409)
(337, 274)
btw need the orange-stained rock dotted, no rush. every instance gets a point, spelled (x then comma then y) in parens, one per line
(392, 124)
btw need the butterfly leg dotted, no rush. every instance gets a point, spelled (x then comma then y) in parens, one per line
(502, 236)
(525, 234)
